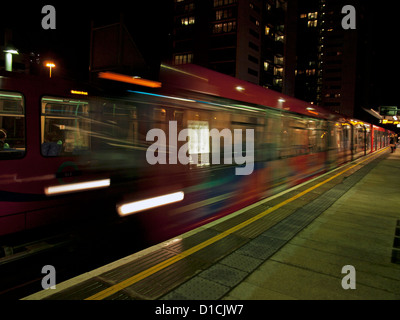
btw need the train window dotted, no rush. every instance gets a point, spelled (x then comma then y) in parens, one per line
(199, 143)
(359, 143)
(272, 136)
(317, 136)
(294, 137)
(12, 125)
(65, 127)
(118, 127)
(198, 125)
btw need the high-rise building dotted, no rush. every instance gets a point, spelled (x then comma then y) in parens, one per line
(242, 38)
(327, 55)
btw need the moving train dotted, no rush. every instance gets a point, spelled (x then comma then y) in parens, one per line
(73, 153)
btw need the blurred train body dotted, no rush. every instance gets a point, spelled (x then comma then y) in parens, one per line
(59, 139)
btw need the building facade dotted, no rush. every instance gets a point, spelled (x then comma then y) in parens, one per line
(327, 55)
(242, 38)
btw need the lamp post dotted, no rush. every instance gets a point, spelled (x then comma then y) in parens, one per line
(9, 53)
(50, 65)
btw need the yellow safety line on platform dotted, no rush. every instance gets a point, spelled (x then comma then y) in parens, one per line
(158, 267)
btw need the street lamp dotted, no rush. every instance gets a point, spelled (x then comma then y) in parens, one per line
(9, 51)
(50, 65)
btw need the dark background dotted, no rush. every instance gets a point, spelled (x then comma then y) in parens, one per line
(150, 23)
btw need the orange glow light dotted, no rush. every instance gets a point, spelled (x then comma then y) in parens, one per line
(128, 79)
(313, 112)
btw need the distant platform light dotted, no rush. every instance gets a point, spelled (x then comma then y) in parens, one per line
(281, 100)
(129, 79)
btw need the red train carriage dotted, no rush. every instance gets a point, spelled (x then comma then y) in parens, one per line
(72, 154)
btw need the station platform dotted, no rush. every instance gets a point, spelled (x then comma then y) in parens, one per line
(292, 246)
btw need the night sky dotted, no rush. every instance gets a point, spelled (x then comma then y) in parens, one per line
(69, 44)
(149, 23)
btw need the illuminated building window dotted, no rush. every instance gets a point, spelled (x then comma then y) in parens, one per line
(278, 60)
(267, 30)
(278, 72)
(313, 15)
(224, 27)
(187, 21)
(310, 72)
(218, 3)
(312, 23)
(266, 65)
(183, 58)
(278, 83)
(279, 38)
(303, 16)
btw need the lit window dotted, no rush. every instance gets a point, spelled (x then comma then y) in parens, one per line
(310, 72)
(278, 60)
(313, 15)
(312, 23)
(187, 21)
(183, 58)
(266, 65)
(224, 27)
(267, 30)
(279, 38)
(278, 82)
(278, 72)
(303, 15)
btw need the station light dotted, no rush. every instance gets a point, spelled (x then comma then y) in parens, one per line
(50, 65)
(9, 53)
